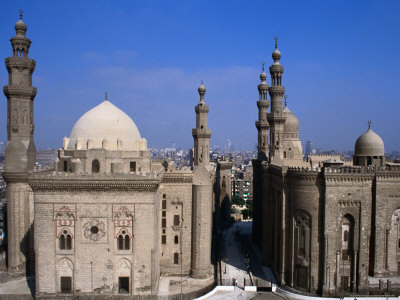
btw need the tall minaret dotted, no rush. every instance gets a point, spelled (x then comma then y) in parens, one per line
(20, 152)
(201, 193)
(262, 123)
(201, 133)
(276, 117)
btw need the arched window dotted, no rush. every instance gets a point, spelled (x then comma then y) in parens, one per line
(176, 240)
(123, 241)
(95, 166)
(65, 240)
(347, 237)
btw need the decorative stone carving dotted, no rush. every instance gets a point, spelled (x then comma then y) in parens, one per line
(94, 230)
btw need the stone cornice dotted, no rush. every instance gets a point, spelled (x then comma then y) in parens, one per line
(88, 182)
(95, 185)
(177, 178)
(11, 177)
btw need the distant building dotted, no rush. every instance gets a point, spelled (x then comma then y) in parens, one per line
(242, 184)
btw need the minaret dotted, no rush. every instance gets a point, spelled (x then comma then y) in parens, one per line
(201, 193)
(20, 151)
(201, 133)
(262, 123)
(276, 117)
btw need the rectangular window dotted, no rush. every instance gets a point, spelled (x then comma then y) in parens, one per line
(176, 258)
(132, 166)
(164, 196)
(66, 285)
(164, 204)
(123, 285)
(164, 223)
(65, 166)
(176, 220)
(164, 214)
(163, 239)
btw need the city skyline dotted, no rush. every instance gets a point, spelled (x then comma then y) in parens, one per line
(151, 57)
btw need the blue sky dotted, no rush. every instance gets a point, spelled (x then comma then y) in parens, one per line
(341, 59)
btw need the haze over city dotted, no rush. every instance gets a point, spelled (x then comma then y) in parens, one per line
(341, 66)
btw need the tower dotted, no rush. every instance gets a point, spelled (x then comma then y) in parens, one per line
(201, 193)
(20, 151)
(276, 117)
(262, 123)
(201, 133)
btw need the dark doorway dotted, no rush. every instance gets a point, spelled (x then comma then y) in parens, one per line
(66, 285)
(123, 283)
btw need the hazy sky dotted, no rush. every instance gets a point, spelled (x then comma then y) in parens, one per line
(341, 59)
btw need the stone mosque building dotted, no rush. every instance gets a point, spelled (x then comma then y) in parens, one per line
(108, 219)
(322, 229)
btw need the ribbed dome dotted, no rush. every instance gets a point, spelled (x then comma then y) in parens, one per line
(291, 123)
(369, 144)
(107, 123)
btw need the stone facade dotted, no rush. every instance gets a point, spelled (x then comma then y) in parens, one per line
(324, 228)
(107, 220)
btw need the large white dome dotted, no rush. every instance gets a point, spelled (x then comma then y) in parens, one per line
(104, 126)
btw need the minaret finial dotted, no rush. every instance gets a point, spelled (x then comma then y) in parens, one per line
(20, 13)
(369, 124)
(276, 42)
(285, 100)
(263, 63)
(106, 96)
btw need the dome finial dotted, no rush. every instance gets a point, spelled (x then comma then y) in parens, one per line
(202, 91)
(285, 100)
(369, 124)
(106, 97)
(263, 63)
(20, 13)
(276, 42)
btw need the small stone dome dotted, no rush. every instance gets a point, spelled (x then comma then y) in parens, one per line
(369, 144)
(20, 25)
(263, 76)
(105, 122)
(292, 123)
(202, 89)
(276, 55)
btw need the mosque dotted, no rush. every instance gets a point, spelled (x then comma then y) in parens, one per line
(108, 220)
(325, 226)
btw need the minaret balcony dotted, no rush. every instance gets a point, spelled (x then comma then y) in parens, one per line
(262, 104)
(20, 63)
(201, 133)
(276, 117)
(262, 124)
(201, 108)
(21, 91)
(276, 90)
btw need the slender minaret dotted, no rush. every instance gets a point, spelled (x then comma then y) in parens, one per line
(276, 117)
(20, 152)
(262, 123)
(202, 193)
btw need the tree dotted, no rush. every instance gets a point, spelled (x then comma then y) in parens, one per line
(238, 200)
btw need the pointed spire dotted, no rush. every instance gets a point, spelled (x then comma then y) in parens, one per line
(369, 124)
